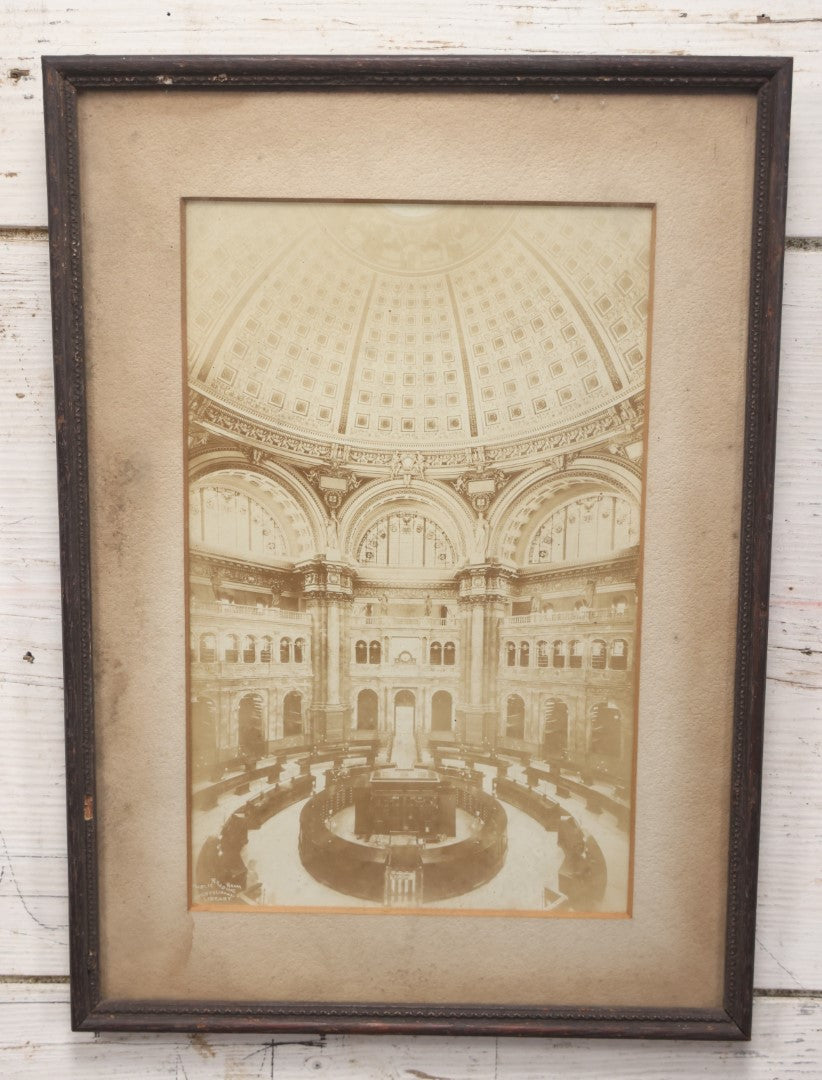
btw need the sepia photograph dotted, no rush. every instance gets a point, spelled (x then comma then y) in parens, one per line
(415, 460)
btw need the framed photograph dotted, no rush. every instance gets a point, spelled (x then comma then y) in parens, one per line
(415, 424)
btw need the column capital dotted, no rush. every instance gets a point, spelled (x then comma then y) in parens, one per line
(486, 583)
(322, 578)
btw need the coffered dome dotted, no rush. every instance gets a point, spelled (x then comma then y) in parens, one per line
(397, 325)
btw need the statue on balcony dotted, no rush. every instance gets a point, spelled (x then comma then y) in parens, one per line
(590, 591)
(332, 535)
(480, 547)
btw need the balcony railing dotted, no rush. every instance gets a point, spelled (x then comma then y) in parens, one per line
(244, 668)
(586, 673)
(417, 621)
(586, 615)
(257, 611)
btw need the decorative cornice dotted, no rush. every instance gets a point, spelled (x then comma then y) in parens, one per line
(235, 571)
(303, 449)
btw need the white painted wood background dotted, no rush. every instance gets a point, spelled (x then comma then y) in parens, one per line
(35, 1040)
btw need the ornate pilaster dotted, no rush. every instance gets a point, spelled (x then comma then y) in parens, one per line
(328, 588)
(483, 592)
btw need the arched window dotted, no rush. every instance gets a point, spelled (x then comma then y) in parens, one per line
(232, 649)
(405, 539)
(449, 654)
(374, 652)
(598, 653)
(293, 714)
(361, 652)
(555, 728)
(208, 648)
(367, 710)
(524, 654)
(586, 529)
(515, 717)
(251, 727)
(619, 654)
(547, 608)
(299, 651)
(249, 650)
(575, 654)
(511, 654)
(266, 647)
(285, 650)
(223, 518)
(605, 730)
(435, 653)
(558, 652)
(543, 654)
(441, 710)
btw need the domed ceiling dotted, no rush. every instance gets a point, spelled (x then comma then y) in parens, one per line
(398, 325)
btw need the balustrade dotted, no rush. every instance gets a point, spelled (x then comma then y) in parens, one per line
(257, 611)
(585, 615)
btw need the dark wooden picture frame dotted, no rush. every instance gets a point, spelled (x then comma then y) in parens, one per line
(769, 79)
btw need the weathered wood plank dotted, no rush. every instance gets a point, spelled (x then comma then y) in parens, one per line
(35, 1042)
(790, 27)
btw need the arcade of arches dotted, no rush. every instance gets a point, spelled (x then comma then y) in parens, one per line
(415, 484)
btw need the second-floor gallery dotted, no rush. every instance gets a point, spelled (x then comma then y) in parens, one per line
(416, 451)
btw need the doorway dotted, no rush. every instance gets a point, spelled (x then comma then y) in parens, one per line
(405, 707)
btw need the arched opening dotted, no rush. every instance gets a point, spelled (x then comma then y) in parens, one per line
(558, 653)
(449, 654)
(249, 650)
(555, 729)
(208, 648)
(441, 711)
(231, 653)
(285, 650)
(511, 654)
(524, 654)
(293, 714)
(405, 705)
(435, 653)
(203, 739)
(619, 654)
(575, 654)
(299, 651)
(361, 652)
(598, 654)
(367, 710)
(606, 735)
(515, 717)
(250, 727)
(374, 652)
